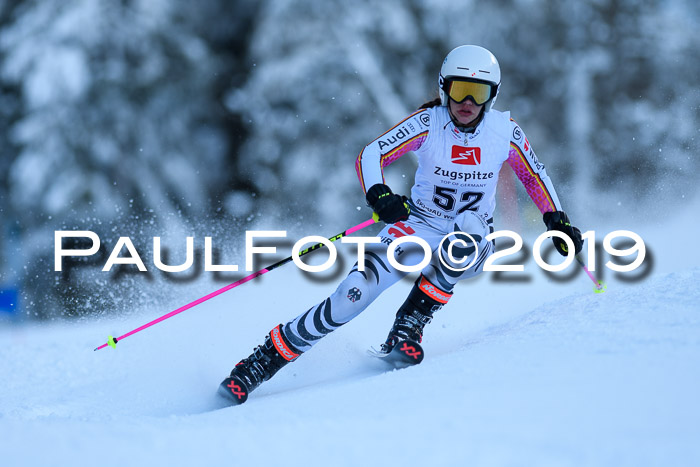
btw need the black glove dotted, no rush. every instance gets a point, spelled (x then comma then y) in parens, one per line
(389, 207)
(558, 220)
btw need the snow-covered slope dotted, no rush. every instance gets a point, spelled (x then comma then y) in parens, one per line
(583, 379)
(516, 373)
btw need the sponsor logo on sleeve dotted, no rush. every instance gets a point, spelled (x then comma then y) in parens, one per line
(425, 118)
(534, 161)
(398, 136)
(517, 133)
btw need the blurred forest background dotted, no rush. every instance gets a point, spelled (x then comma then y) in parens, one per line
(171, 118)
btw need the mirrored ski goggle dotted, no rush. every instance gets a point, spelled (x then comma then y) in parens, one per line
(480, 92)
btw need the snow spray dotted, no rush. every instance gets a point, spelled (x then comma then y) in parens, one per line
(112, 341)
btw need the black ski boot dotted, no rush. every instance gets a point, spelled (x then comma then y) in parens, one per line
(407, 327)
(417, 311)
(261, 365)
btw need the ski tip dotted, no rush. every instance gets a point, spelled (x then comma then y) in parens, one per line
(404, 354)
(411, 352)
(233, 390)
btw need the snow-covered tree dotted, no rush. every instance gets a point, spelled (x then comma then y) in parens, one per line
(122, 129)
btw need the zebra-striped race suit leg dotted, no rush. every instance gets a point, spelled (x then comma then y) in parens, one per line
(360, 288)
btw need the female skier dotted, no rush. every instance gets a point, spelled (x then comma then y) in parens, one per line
(461, 144)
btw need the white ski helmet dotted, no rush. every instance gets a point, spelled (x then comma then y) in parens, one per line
(471, 64)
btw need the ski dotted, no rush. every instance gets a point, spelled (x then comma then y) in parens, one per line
(233, 390)
(404, 354)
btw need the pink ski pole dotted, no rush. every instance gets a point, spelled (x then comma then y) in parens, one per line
(599, 287)
(112, 341)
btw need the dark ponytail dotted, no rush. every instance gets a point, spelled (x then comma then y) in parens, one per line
(434, 103)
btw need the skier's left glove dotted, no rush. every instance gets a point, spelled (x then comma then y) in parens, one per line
(390, 208)
(559, 221)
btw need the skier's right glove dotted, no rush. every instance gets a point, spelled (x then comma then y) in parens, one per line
(389, 207)
(559, 221)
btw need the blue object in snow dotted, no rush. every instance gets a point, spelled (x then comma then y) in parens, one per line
(8, 300)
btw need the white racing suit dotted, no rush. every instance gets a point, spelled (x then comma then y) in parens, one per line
(454, 191)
